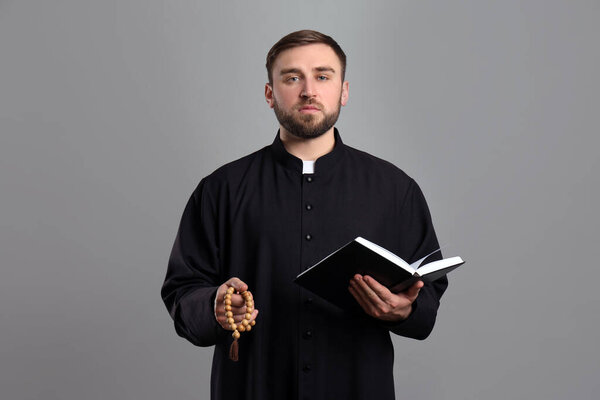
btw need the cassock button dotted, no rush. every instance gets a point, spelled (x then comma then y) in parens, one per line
(309, 179)
(309, 207)
(307, 367)
(308, 237)
(308, 334)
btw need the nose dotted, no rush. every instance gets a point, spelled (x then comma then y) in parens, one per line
(308, 90)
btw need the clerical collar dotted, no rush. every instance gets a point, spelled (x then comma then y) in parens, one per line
(308, 167)
(322, 164)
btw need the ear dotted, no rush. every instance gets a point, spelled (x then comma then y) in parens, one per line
(269, 95)
(344, 99)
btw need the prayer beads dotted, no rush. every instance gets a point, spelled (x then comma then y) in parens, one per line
(244, 326)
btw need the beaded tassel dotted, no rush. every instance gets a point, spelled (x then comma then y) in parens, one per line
(245, 325)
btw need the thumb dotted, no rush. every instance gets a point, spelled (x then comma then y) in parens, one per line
(237, 284)
(413, 291)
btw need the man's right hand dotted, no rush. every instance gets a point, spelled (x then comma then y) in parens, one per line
(238, 304)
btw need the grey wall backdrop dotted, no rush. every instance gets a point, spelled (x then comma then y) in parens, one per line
(111, 112)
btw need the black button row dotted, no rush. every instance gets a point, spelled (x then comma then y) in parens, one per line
(308, 334)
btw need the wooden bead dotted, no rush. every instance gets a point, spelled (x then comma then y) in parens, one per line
(229, 314)
(248, 316)
(248, 328)
(230, 290)
(253, 323)
(227, 302)
(227, 307)
(233, 327)
(230, 321)
(241, 328)
(245, 322)
(236, 335)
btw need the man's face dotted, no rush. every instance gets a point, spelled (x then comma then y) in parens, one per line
(307, 90)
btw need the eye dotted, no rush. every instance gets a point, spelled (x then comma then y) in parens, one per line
(322, 77)
(293, 79)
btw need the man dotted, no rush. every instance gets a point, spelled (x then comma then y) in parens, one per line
(256, 223)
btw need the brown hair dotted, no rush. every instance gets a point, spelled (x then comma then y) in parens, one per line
(303, 38)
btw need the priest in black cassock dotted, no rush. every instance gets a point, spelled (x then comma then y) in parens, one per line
(256, 223)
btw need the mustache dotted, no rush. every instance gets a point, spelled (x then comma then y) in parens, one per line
(311, 103)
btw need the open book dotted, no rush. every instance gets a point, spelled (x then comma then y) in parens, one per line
(330, 277)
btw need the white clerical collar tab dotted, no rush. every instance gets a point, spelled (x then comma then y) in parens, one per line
(308, 167)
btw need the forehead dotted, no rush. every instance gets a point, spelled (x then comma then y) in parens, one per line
(307, 57)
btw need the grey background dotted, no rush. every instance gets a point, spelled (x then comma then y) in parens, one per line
(111, 111)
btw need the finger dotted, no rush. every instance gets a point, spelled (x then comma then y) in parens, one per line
(237, 301)
(249, 311)
(368, 297)
(354, 292)
(381, 291)
(233, 282)
(254, 315)
(237, 313)
(241, 308)
(221, 291)
(367, 293)
(239, 317)
(412, 292)
(237, 284)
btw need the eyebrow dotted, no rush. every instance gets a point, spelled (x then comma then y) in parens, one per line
(325, 69)
(297, 71)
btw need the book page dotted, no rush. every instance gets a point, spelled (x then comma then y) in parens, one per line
(417, 263)
(440, 264)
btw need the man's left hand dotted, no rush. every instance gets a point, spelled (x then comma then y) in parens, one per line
(377, 301)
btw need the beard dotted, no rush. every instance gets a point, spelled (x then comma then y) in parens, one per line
(306, 126)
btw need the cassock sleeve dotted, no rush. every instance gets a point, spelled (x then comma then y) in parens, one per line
(193, 271)
(418, 240)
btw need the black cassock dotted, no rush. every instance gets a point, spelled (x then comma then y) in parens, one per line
(261, 220)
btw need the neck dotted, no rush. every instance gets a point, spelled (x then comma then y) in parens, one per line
(307, 149)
